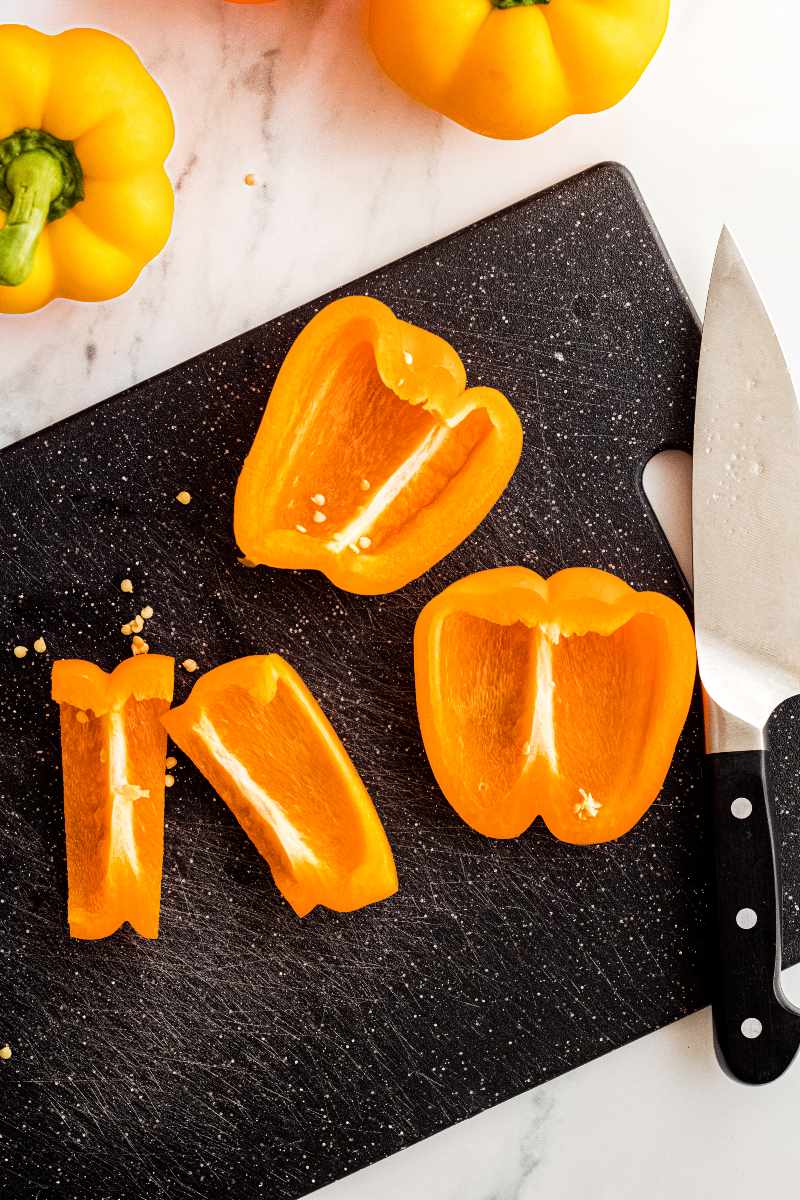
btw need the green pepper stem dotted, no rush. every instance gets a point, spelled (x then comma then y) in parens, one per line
(34, 180)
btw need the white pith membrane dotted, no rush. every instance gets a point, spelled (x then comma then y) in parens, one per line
(291, 840)
(568, 711)
(542, 741)
(365, 461)
(123, 794)
(362, 524)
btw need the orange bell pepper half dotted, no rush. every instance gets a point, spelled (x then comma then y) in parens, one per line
(113, 748)
(373, 460)
(560, 698)
(258, 735)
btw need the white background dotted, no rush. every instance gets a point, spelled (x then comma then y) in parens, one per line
(351, 174)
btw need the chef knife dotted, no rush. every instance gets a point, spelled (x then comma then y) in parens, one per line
(746, 533)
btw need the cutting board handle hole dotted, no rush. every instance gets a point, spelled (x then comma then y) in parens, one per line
(667, 484)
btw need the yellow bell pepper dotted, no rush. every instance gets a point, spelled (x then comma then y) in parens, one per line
(85, 201)
(513, 68)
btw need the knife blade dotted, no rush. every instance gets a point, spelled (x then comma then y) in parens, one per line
(746, 517)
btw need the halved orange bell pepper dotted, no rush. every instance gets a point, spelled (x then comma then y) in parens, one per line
(560, 698)
(372, 461)
(114, 749)
(258, 735)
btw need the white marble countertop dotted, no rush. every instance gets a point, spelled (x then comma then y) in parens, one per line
(349, 175)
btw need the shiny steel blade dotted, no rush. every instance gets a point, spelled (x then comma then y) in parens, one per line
(746, 502)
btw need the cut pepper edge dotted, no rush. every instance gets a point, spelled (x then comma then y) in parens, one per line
(86, 686)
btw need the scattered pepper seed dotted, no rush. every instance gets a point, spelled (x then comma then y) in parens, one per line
(301, 529)
(318, 498)
(126, 586)
(126, 630)
(184, 497)
(169, 780)
(132, 792)
(81, 717)
(364, 542)
(137, 624)
(20, 651)
(139, 646)
(365, 485)
(189, 665)
(171, 762)
(146, 612)
(319, 517)
(249, 178)
(587, 806)
(5, 1052)
(40, 645)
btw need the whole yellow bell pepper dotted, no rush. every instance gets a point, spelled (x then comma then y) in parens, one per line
(513, 68)
(85, 201)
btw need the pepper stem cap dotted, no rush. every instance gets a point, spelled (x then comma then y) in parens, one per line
(34, 180)
(40, 180)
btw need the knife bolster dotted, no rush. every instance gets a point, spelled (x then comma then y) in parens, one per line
(727, 734)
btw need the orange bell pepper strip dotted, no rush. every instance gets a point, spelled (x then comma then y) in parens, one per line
(373, 461)
(560, 698)
(261, 740)
(113, 748)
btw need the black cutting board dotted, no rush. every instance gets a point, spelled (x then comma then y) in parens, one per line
(247, 1052)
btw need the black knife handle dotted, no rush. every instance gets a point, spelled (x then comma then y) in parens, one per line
(756, 1030)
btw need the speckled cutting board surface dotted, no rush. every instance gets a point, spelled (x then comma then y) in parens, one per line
(246, 1052)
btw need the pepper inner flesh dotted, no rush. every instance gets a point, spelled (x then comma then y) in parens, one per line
(368, 459)
(569, 714)
(112, 803)
(268, 764)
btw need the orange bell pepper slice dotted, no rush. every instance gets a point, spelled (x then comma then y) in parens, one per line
(373, 461)
(261, 740)
(560, 698)
(113, 748)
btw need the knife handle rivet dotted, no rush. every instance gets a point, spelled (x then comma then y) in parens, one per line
(741, 808)
(751, 1027)
(746, 918)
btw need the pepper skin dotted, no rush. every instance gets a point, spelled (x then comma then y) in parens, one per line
(258, 735)
(113, 748)
(562, 699)
(514, 68)
(372, 461)
(84, 198)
